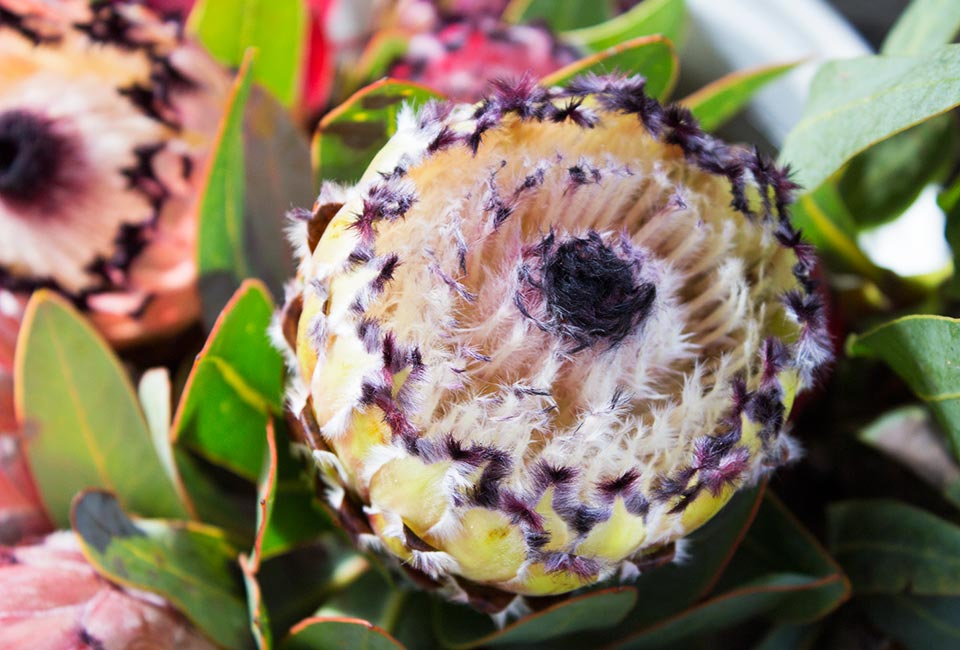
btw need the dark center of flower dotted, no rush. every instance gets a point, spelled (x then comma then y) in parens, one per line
(594, 294)
(30, 154)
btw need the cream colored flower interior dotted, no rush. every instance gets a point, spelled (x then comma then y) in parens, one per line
(495, 377)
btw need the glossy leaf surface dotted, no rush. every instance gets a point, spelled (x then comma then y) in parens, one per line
(235, 385)
(190, 565)
(350, 135)
(855, 103)
(650, 56)
(925, 352)
(276, 28)
(87, 428)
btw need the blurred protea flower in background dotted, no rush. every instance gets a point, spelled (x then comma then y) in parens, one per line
(52, 598)
(106, 114)
(461, 56)
(547, 336)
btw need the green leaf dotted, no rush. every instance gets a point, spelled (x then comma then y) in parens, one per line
(337, 633)
(86, 427)
(311, 580)
(286, 516)
(222, 261)
(276, 28)
(788, 637)
(910, 436)
(760, 598)
(717, 102)
(925, 352)
(651, 56)
(559, 16)
(235, 385)
(882, 182)
(924, 26)
(778, 544)
(219, 497)
(277, 153)
(889, 547)
(190, 565)
(350, 135)
(918, 622)
(461, 629)
(667, 590)
(855, 103)
(154, 391)
(664, 17)
(826, 223)
(779, 571)
(381, 52)
(256, 606)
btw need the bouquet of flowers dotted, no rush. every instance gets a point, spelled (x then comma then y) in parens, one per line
(453, 324)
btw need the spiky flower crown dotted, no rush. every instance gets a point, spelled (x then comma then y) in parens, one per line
(546, 336)
(105, 114)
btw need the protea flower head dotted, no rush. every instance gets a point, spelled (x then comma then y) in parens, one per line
(460, 56)
(105, 115)
(547, 336)
(52, 598)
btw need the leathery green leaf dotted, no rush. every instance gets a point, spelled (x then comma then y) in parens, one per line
(559, 15)
(190, 565)
(925, 352)
(235, 385)
(779, 571)
(651, 56)
(924, 26)
(664, 17)
(277, 28)
(87, 430)
(221, 258)
(595, 610)
(855, 103)
(917, 622)
(287, 515)
(883, 181)
(889, 547)
(717, 102)
(349, 136)
(334, 633)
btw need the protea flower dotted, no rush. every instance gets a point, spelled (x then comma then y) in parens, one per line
(460, 56)
(547, 336)
(106, 113)
(52, 598)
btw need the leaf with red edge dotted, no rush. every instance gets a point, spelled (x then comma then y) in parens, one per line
(662, 591)
(720, 100)
(277, 28)
(84, 423)
(190, 565)
(336, 633)
(256, 607)
(349, 136)
(664, 17)
(286, 515)
(235, 385)
(221, 258)
(277, 155)
(780, 571)
(650, 56)
(459, 629)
